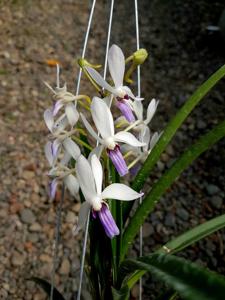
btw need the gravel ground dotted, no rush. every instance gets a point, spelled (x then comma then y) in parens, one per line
(182, 55)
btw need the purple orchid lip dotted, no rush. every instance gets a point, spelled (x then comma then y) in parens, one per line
(118, 160)
(57, 106)
(108, 222)
(125, 110)
(53, 186)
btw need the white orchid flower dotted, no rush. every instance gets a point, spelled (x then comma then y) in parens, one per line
(60, 171)
(123, 94)
(90, 178)
(67, 100)
(138, 109)
(103, 120)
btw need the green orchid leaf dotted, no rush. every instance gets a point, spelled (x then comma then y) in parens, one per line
(122, 294)
(46, 286)
(170, 131)
(183, 241)
(158, 189)
(191, 281)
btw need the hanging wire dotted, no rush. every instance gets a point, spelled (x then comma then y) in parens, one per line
(59, 211)
(83, 257)
(139, 95)
(105, 70)
(85, 44)
(108, 38)
(77, 92)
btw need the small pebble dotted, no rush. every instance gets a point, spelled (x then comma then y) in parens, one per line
(212, 189)
(65, 267)
(27, 216)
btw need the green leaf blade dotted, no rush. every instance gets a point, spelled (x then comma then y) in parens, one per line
(174, 124)
(170, 131)
(183, 241)
(148, 204)
(191, 281)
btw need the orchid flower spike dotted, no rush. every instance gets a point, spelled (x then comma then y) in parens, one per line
(90, 178)
(122, 94)
(103, 120)
(138, 109)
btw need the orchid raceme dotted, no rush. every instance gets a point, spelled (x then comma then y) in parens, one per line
(122, 94)
(90, 178)
(103, 120)
(111, 223)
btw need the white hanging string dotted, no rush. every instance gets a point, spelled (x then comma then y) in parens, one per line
(85, 43)
(78, 83)
(105, 69)
(108, 38)
(139, 95)
(83, 257)
(77, 92)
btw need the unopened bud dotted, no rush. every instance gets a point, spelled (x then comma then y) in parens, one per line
(140, 56)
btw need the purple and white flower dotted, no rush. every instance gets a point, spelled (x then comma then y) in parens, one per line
(107, 137)
(122, 94)
(65, 99)
(90, 178)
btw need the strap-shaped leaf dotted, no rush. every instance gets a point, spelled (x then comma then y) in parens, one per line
(122, 294)
(170, 131)
(182, 241)
(46, 286)
(191, 281)
(193, 235)
(148, 204)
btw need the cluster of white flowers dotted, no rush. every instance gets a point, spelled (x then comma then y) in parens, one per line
(63, 152)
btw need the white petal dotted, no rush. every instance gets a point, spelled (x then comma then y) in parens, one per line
(56, 146)
(138, 109)
(102, 117)
(49, 119)
(82, 218)
(145, 137)
(154, 139)
(60, 123)
(116, 61)
(90, 129)
(72, 184)
(120, 191)
(151, 110)
(57, 106)
(72, 148)
(108, 100)
(97, 172)
(48, 153)
(66, 158)
(97, 151)
(72, 114)
(100, 81)
(128, 138)
(85, 177)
